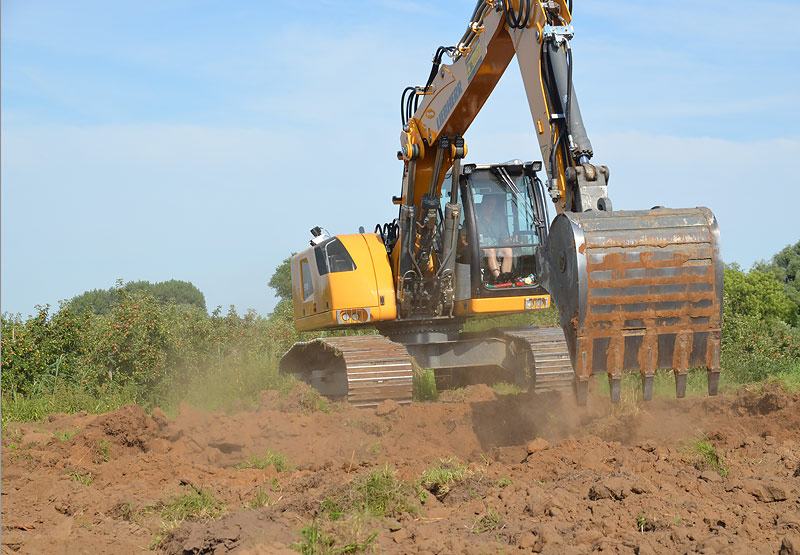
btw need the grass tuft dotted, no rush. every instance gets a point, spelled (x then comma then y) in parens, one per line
(488, 522)
(505, 388)
(641, 521)
(440, 478)
(315, 540)
(344, 537)
(102, 451)
(789, 380)
(82, 478)
(272, 458)
(64, 435)
(708, 456)
(379, 493)
(261, 499)
(424, 385)
(196, 504)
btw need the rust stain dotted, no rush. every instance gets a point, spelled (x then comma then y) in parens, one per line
(683, 346)
(652, 298)
(616, 261)
(615, 355)
(620, 316)
(648, 353)
(621, 282)
(713, 350)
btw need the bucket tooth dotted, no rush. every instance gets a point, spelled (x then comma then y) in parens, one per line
(614, 354)
(615, 384)
(648, 361)
(582, 392)
(680, 384)
(713, 381)
(647, 387)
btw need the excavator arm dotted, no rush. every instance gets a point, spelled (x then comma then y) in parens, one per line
(435, 116)
(636, 290)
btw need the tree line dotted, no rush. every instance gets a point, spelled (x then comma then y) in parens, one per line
(155, 340)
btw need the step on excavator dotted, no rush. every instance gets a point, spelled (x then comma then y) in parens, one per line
(636, 290)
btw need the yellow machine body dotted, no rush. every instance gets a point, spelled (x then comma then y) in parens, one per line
(366, 293)
(331, 299)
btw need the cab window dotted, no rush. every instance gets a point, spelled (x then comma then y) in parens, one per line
(332, 256)
(507, 228)
(305, 275)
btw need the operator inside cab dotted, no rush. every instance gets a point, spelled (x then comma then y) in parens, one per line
(505, 226)
(493, 231)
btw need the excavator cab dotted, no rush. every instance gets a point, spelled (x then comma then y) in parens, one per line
(504, 226)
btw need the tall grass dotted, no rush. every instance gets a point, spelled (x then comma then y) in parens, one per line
(64, 399)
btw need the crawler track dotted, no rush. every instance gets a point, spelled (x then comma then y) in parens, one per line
(547, 357)
(364, 369)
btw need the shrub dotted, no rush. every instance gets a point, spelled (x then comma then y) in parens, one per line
(758, 295)
(757, 340)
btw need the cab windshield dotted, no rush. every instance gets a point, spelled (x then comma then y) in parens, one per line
(508, 227)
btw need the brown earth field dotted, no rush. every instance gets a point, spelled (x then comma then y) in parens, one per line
(707, 475)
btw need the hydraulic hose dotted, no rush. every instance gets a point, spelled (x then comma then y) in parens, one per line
(569, 96)
(514, 20)
(404, 106)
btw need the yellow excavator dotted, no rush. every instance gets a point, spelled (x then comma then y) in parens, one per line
(636, 291)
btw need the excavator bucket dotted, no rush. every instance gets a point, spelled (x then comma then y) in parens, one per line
(638, 291)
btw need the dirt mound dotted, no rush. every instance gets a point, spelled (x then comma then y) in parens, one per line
(231, 533)
(539, 475)
(763, 400)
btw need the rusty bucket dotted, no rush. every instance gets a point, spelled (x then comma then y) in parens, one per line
(638, 291)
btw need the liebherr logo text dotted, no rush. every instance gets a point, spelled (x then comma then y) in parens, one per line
(448, 106)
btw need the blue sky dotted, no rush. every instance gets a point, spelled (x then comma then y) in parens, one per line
(202, 140)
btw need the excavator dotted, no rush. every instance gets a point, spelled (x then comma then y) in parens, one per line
(636, 290)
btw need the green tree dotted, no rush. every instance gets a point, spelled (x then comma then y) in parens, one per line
(281, 280)
(41, 350)
(785, 266)
(177, 291)
(103, 302)
(757, 338)
(756, 294)
(96, 301)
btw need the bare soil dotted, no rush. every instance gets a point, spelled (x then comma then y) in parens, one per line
(547, 477)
